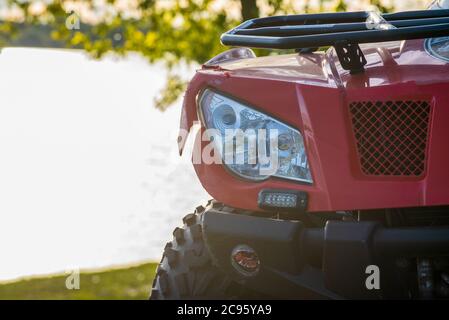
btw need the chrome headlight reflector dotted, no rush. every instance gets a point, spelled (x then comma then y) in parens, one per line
(252, 144)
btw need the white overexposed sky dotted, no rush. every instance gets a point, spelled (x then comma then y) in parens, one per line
(88, 172)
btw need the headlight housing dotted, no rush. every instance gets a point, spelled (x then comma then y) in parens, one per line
(229, 118)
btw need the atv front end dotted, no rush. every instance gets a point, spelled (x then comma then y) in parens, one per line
(328, 169)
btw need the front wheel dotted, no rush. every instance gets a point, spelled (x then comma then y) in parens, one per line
(187, 271)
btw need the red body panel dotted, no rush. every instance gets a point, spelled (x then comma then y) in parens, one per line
(312, 93)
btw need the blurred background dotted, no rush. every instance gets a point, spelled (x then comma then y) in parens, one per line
(89, 112)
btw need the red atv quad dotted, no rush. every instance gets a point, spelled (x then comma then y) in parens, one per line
(355, 201)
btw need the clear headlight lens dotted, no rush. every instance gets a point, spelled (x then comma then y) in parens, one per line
(262, 135)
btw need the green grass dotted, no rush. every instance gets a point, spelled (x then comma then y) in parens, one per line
(131, 282)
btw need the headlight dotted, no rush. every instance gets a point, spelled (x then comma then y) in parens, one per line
(230, 119)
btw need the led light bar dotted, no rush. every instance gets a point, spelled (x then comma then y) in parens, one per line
(280, 200)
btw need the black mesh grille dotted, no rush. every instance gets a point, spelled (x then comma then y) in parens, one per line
(391, 136)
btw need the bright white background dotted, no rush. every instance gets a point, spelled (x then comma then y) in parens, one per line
(88, 170)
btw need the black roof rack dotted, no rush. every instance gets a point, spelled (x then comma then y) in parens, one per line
(342, 30)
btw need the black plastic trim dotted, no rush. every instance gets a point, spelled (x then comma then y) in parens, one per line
(329, 263)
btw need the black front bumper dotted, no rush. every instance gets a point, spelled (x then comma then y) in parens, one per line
(331, 262)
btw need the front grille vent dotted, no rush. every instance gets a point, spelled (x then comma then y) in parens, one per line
(391, 136)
